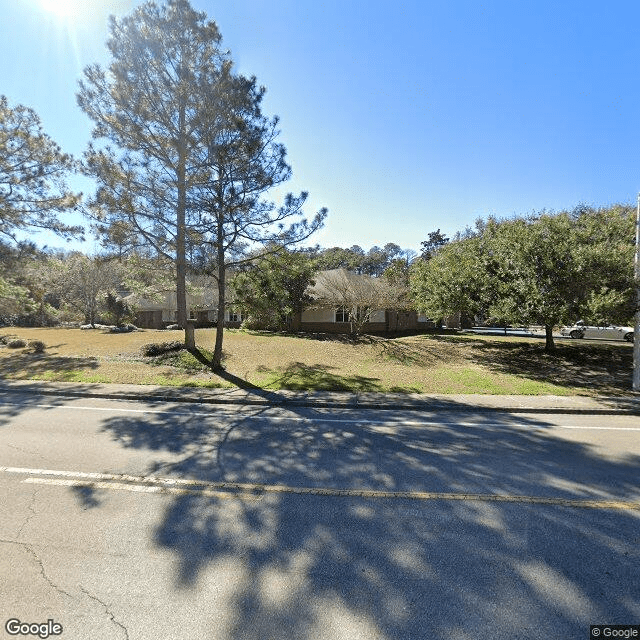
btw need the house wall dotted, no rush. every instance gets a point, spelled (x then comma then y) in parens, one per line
(151, 319)
(423, 322)
(382, 321)
(160, 318)
(329, 315)
(311, 320)
(401, 320)
(318, 315)
(324, 321)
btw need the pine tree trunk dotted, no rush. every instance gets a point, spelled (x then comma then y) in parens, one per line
(217, 352)
(181, 260)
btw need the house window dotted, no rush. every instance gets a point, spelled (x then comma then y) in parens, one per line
(235, 316)
(342, 314)
(192, 314)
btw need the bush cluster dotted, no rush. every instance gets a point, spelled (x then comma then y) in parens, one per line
(37, 346)
(158, 348)
(17, 343)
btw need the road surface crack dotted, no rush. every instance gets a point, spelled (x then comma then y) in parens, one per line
(31, 515)
(107, 611)
(27, 451)
(29, 549)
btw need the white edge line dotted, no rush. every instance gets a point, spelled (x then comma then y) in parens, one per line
(247, 491)
(104, 476)
(137, 488)
(85, 477)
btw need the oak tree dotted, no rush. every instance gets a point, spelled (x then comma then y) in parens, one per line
(273, 290)
(546, 269)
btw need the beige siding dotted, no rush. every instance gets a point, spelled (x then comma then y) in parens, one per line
(329, 315)
(319, 315)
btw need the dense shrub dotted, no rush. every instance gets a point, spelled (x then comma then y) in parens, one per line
(117, 310)
(37, 346)
(255, 323)
(17, 343)
(158, 348)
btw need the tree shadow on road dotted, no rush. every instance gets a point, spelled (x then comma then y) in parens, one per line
(15, 401)
(333, 566)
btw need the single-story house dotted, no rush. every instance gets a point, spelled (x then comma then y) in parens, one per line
(202, 305)
(338, 293)
(341, 295)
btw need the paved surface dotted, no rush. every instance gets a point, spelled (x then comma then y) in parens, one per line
(260, 397)
(146, 520)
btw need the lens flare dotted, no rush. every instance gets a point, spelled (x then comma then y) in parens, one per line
(61, 8)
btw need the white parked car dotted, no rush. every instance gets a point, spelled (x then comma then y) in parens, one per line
(608, 332)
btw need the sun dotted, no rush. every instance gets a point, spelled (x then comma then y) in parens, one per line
(61, 8)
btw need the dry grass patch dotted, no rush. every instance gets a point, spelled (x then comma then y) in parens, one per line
(93, 355)
(429, 364)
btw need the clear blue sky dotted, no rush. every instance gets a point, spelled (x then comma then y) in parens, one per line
(400, 117)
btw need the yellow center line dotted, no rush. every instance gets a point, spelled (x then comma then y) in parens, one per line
(253, 491)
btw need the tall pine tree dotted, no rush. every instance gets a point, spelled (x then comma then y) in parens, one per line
(191, 152)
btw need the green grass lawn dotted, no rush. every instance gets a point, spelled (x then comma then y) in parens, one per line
(422, 364)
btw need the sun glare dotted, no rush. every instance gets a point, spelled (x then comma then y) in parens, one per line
(61, 8)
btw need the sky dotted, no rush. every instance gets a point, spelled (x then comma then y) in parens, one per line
(400, 117)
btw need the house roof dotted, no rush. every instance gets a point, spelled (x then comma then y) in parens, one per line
(345, 288)
(328, 280)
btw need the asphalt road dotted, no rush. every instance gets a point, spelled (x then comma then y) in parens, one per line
(155, 520)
